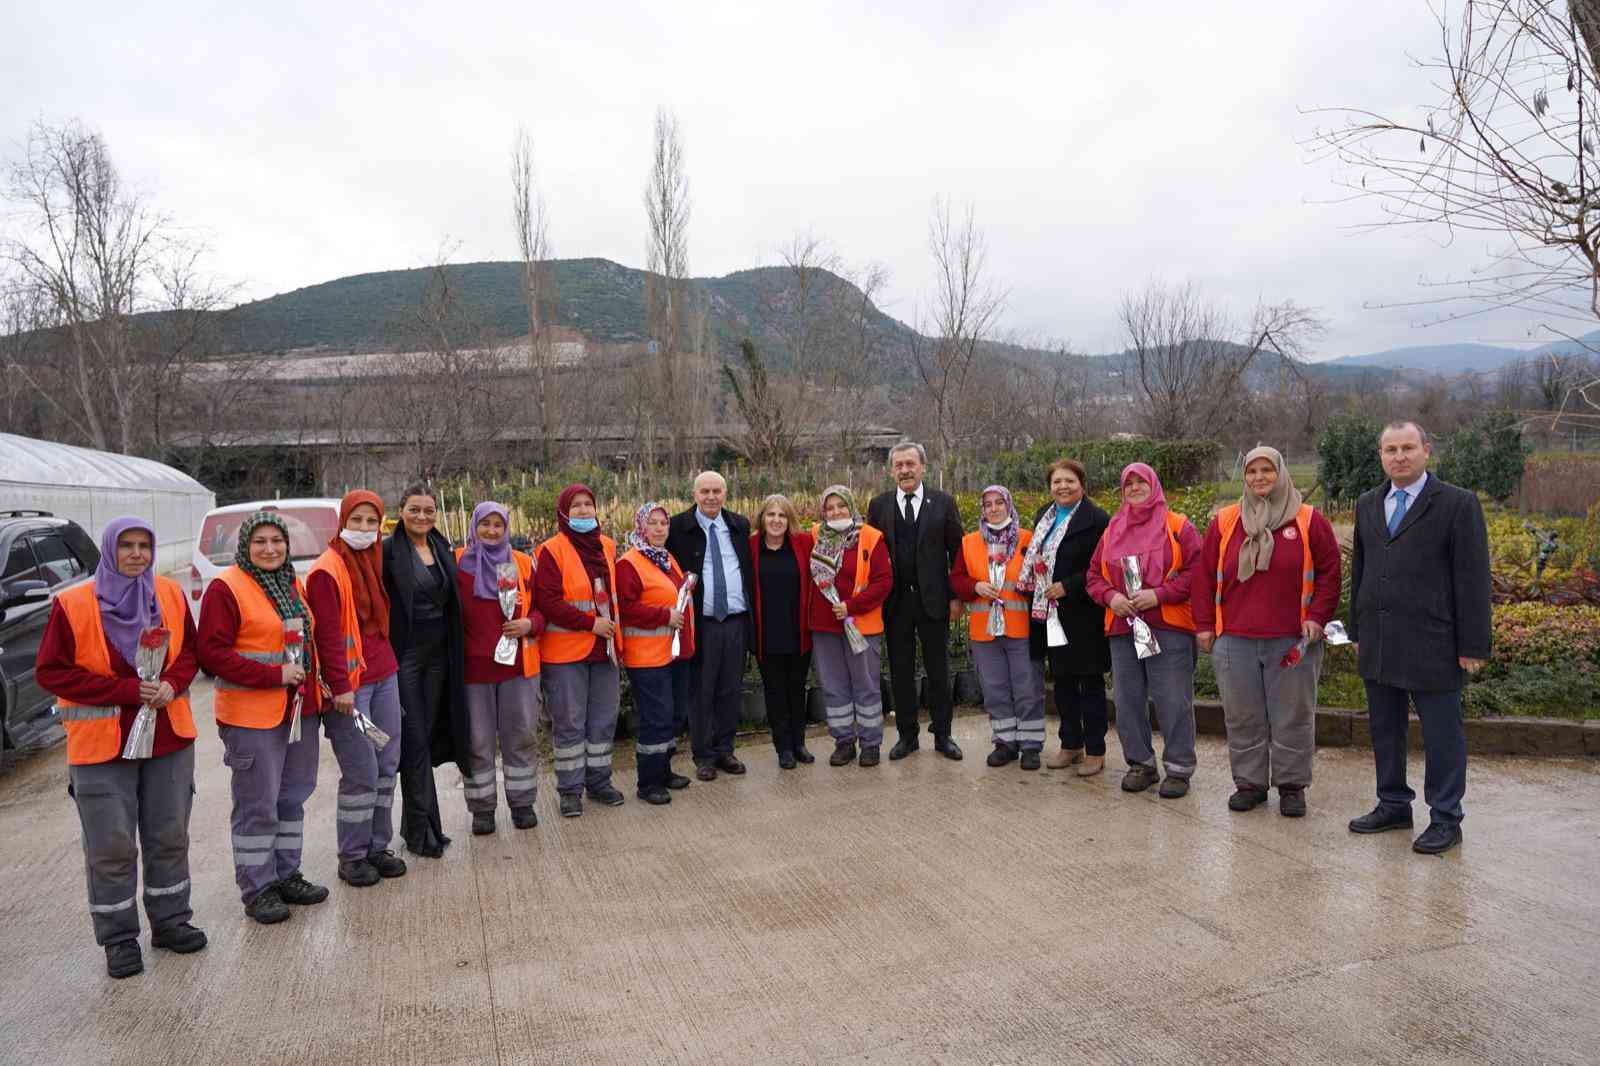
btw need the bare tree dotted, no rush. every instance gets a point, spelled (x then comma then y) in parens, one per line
(673, 333)
(771, 412)
(532, 222)
(964, 311)
(1188, 359)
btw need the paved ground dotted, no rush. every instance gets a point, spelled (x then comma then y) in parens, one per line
(922, 912)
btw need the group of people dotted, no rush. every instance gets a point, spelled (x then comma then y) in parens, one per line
(409, 654)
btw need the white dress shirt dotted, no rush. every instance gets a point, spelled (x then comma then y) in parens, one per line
(917, 497)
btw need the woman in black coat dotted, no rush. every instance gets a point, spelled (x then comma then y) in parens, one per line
(1064, 537)
(419, 573)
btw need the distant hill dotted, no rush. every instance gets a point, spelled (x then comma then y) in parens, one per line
(1452, 359)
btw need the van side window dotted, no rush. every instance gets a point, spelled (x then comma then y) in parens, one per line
(57, 565)
(20, 564)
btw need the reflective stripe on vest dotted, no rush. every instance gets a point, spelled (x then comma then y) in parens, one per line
(529, 649)
(560, 644)
(260, 639)
(94, 734)
(1176, 615)
(975, 554)
(331, 563)
(649, 648)
(1227, 519)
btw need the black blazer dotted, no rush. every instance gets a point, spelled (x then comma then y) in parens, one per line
(448, 743)
(1087, 650)
(687, 544)
(938, 546)
(1420, 600)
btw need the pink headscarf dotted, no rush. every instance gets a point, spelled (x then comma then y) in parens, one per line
(1140, 530)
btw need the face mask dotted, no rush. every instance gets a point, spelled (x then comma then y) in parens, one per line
(840, 525)
(359, 539)
(583, 525)
(1000, 526)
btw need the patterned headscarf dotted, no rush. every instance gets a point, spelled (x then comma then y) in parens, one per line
(1005, 538)
(640, 541)
(277, 584)
(483, 560)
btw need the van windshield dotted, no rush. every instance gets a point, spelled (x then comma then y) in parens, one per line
(310, 529)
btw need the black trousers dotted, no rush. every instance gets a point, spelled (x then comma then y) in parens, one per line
(424, 673)
(783, 677)
(908, 626)
(716, 687)
(1081, 703)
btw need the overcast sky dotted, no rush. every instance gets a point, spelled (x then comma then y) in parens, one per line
(1101, 143)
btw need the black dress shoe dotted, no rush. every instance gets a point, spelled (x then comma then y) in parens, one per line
(729, 765)
(803, 756)
(387, 863)
(706, 773)
(425, 850)
(1437, 839)
(656, 796)
(844, 753)
(1380, 819)
(302, 893)
(786, 760)
(181, 939)
(869, 756)
(676, 781)
(947, 747)
(903, 747)
(123, 959)
(1002, 754)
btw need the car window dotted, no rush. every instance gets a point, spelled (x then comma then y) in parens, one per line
(310, 530)
(20, 564)
(81, 546)
(56, 563)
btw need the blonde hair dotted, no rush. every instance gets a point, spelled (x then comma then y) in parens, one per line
(784, 506)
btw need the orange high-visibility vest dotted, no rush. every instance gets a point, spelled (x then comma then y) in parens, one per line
(530, 645)
(652, 647)
(94, 734)
(1228, 519)
(870, 623)
(562, 645)
(975, 553)
(260, 639)
(1175, 615)
(355, 662)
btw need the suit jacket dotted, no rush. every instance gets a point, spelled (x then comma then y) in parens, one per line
(449, 741)
(938, 546)
(1087, 650)
(1419, 600)
(686, 542)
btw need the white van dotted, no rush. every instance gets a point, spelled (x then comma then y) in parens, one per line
(312, 524)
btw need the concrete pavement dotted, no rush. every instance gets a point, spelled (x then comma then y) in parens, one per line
(920, 912)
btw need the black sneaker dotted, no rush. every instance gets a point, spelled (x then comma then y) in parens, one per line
(844, 753)
(656, 797)
(1030, 760)
(676, 781)
(123, 959)
(387, 863)
(267, 907)
(1002, 754)
(1138, 778)
(524, 817)
(1247, 799)
(1292, 802)
(358, 873)
(181, 939)
(302, 893)
(607, 794)
(571, 804)
(482, 823)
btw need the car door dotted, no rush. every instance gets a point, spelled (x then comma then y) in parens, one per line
(20, 633)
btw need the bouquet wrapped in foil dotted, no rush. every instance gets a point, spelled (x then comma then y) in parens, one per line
(1332, 633)
(602, 607)
(685, 597)
(852, 632)
(506, 586)
(1144, 641)
(294, 654)
(148, 661)
(997, 578)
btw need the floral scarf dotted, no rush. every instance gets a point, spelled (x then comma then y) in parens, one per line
(1040, 561)
(827, 555)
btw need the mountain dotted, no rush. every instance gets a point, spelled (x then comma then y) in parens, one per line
(1452, 359)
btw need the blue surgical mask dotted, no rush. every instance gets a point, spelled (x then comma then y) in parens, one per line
(583, 525)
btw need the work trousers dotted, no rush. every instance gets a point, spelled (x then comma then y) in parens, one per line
(504, 715)
(583, 702)
(852, 688)
(127, 806)
(366, 774)
(783, 682)
(908, 626)
(657, 693)
(424, 675)
(1444, 745)
(1270, 711)
(1167, 680)
(1013, 692)
(716, 682)
(272, 779)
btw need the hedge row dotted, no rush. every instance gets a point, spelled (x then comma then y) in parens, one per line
(1176, 462)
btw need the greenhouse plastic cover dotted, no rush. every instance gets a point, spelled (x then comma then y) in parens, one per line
(92, 488)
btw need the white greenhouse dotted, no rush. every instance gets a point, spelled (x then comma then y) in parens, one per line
(92, 487)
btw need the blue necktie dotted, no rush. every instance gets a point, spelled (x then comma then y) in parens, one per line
(719, 591)
(1399, 511)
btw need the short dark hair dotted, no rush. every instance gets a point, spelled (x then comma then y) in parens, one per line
(1406, 423)
(1073, 465)
(420, 488)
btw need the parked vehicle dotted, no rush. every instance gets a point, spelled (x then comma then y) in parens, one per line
(312, 524)
(42, 555)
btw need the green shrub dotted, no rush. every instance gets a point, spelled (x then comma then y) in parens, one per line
(1561, 691)
(1347, 458)
(1486, 456)
(1176, 462)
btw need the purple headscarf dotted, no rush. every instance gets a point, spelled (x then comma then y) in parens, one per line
(127, 604)
(482, 560)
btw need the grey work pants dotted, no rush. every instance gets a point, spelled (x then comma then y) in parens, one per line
(1167, 680)
(852, 688)
(366, 775)
(127, 806)
(1270, 711)
(583, 701)
(1013, 694)
(506, 714)
(272, 779)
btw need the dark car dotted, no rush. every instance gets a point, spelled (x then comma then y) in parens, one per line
(42, 555)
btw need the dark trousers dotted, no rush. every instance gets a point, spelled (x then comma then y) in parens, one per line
(660, 694)
(908, 626)
(783, 678)
(1081, 703)
(1444, 743)
(424, 672)
(716, 685)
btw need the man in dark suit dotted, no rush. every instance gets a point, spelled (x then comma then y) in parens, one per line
(1419, 607)
(922, 529)
(715, 543)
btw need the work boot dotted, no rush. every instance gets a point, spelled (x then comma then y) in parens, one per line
(358, 873)
(1091, 765)
(1139, 777)
(1292, 802)
(803, 756)
(387, 863)
(123, 959)
(706, 772)
(1174, 787)
(676, 781)
(655, 796)
(267, 907)
(1002, 754)
(869, 756)
(181, 939)
(302, 893)
(844, 753)
(1065, 757)
(1030, 759)
(1246, 798)
(571, 804)
(607, 794)
(524, 817)
(482, 823)
(729, 765)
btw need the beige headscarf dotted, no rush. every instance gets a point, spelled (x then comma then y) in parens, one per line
(1261, 516)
